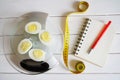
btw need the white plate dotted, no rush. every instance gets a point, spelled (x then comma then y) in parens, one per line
(18, 33)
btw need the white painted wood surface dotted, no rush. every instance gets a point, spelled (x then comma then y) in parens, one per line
(57, 9)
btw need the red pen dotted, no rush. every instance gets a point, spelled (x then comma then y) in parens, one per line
(99, 36)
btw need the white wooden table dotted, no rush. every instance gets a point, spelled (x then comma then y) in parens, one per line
(57, 9)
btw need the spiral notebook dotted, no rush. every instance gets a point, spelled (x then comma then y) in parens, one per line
(89, 32)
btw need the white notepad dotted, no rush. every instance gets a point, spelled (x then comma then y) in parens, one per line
(91, 29)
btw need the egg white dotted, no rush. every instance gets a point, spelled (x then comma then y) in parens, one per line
(30, 23)
(37, 59)
(19, 49)
(42, 41)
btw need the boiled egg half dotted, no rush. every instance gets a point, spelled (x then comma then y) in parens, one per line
(45, 37)
(24, 46)
(33, 27)
(37, 54)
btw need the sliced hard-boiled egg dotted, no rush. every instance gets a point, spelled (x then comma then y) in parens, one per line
(45, 37)
(37, 54)
(33, 27)
(24, 46)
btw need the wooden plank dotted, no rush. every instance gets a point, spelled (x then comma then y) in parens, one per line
(111, 67)
(56, 24)
(53, 7)
(58, 44)
(115, 45)
(103, 6)
(60, 77)
(1, 45)
(59, 8)
(56, 7)
(1, 26)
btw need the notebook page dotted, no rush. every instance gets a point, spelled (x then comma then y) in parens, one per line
(99, 54)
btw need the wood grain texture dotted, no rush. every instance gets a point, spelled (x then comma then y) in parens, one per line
(56, 24)
(60, 77)
(16, 8)
(58, 9)
(55, 7)
(111, 66)
(58, 46)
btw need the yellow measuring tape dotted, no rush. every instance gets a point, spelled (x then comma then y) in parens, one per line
(83, 6)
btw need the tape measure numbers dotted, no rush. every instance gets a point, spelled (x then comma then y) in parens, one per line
(80, 67)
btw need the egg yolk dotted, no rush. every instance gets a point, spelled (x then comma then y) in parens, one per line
(25, 45)
(37, 54)
(45, 36)
(32, 27)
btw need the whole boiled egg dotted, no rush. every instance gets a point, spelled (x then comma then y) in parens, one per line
(24, 46)
(37, 54)
(33, 27)
(45, 37)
